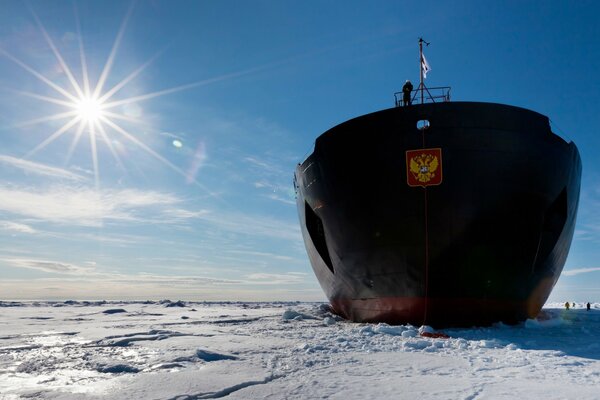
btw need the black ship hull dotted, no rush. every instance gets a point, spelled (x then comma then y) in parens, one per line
(485, 241)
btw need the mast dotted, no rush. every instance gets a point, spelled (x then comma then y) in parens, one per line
(441, 93)
(421, 67)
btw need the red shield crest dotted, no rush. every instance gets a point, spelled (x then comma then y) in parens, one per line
(424, 167)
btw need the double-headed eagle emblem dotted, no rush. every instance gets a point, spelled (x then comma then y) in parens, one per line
(424, 167)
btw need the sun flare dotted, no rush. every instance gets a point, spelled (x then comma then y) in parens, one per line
(95, 111)
(89, 109)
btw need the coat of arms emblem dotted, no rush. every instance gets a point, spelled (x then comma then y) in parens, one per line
(424, 167)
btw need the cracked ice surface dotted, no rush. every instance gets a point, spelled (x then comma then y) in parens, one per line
(188, 351)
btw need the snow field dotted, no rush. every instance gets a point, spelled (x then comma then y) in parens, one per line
(186, 351)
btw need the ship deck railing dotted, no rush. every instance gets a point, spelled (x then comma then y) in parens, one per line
(430, 95)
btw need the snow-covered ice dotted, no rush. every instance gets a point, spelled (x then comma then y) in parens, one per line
(185, 351)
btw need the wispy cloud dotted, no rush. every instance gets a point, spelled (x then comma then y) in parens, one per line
(269, 167)
(281, 199)
(83, 206)
(87, 207)
(112, 239)
(588, 219)
(90, 270)
(573, 272)
(290, 278)
(259, 163)
(277, 192)
(40, 169)
(173, 214)
(16, 227)
(253, 225)
(170, 280)
(171, 135)
(274, 177)
(89, 279)
(262, 254)
(48, 266)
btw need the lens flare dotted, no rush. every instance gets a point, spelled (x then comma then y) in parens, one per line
(89, 109)
(94, 111)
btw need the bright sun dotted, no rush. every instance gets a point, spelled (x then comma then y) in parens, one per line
(89, 109)
(93, 110)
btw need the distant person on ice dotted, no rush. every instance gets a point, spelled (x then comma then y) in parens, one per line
(567, 305)
(406, 89)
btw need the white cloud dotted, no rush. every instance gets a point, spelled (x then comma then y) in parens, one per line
(182, 214)
(90, 270)
(168, 280)
(41, 169)
(93, 208)
(47, 266)
(115, 239)
(170, 135)
(81, 169)
(82, 206)
(274, 256)
(573, 272)
(16, 227)
(261, 184)
(259, 163)
(290, 278)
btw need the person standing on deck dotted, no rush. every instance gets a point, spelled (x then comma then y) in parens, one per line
(406, 90)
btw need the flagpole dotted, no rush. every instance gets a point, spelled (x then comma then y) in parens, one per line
(421, 67)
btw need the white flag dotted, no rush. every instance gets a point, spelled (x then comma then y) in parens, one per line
(425, 66)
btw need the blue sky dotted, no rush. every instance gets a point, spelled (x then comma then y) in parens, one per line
(184, 190)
